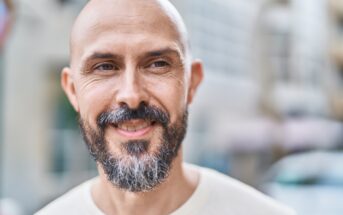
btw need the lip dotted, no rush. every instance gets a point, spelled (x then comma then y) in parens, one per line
(134, 134)
(127, 131)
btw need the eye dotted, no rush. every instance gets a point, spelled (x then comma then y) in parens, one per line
(103, 67)
(159, 64)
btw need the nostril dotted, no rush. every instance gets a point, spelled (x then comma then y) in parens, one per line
(132, 105)
(123, 105)
(143, 104)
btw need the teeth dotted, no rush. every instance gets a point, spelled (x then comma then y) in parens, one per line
(133, 127)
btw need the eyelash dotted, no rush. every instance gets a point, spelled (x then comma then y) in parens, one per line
(104, 67)
(106, 64)
(163, 62)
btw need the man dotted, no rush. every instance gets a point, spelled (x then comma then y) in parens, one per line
(131, 79)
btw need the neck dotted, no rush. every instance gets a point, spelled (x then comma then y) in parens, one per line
(164, 199)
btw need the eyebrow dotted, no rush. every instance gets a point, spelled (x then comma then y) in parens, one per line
(98, 55)
(164, 51)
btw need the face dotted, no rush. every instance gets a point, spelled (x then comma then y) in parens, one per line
(131, 84)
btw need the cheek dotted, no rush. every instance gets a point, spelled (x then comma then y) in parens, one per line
(171, 94)
(94, 98)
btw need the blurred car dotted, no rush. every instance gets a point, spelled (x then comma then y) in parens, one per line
(311, 182)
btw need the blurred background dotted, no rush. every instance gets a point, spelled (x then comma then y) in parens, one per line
(269, 112)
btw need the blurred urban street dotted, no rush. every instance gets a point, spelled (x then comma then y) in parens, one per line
(269, 112)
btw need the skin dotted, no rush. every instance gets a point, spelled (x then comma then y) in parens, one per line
(125, 52)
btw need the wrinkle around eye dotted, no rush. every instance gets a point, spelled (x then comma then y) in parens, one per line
(101, 68)
(88, 82)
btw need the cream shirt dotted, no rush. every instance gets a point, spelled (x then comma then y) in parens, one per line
(215, 194)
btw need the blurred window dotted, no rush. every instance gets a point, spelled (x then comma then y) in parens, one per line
(64, 1)
(78, 4)
(340, 26)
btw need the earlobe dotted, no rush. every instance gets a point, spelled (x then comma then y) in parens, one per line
(68, 86)
(195, 79)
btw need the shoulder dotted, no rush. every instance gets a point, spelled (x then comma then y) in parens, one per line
(237, 197)
(74, 201)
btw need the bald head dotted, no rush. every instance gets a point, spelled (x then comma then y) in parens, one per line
(127, 17)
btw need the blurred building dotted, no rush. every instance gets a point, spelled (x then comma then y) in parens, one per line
(336, 55)
(293, 57)
(269, 83)
(41, 158)
(273, 80)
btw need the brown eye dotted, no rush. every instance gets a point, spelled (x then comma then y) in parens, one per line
(158, 64)
(105, 67)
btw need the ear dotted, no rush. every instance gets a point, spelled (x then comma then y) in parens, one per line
(68, 86)
(196, 77)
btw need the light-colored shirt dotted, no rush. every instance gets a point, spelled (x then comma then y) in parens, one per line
(216, 194)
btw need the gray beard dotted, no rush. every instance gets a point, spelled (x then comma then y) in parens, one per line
(137, 170)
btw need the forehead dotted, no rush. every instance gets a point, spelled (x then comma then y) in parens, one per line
(123, 26)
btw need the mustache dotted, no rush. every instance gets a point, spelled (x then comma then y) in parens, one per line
(124, 113)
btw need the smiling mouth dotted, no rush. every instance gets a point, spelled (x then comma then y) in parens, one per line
(134, 128)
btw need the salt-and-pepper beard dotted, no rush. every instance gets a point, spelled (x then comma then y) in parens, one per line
(136, 170)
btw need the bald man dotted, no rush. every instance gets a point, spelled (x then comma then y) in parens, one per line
(131, 79)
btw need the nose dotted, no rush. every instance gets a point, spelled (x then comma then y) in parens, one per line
(132, 90)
